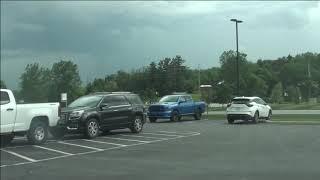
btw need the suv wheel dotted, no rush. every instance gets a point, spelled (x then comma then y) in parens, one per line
(152, 119)
(137, 125)
(255, 117)
(175, 116)
(197, 115)
(230, 120)
(38, 132)
(92, 128)
(269, 115)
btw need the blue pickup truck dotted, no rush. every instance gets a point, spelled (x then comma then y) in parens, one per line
(173, 107)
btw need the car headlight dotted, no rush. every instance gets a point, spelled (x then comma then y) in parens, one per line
(76, 114)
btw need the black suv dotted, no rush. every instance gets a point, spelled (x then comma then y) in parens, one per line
(102, 111)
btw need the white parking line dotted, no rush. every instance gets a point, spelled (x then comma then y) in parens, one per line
(180, 133)
(102, 142)
(53, 150)
(88, 147)
(19, 155)
(170, 135)
(126, 139)
(144, 137)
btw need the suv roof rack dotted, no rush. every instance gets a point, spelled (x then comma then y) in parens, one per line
(179, 93)
(119, 92)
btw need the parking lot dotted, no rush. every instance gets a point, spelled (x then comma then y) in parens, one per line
(204, 149)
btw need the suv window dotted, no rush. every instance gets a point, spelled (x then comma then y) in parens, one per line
(4, 98)
(134, 99)
(115, 100)
(182, 99)
(188, 98)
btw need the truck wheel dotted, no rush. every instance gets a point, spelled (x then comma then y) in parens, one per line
(197, 114)
(38, 132)
(152, 119)
(175, 116)
(6, 139)
(92, 128)
(58, 132)
(255, 117)
(137, 125)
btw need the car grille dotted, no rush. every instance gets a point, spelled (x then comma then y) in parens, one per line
(156, 108)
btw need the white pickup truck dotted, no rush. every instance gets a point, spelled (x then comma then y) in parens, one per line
(33, 120)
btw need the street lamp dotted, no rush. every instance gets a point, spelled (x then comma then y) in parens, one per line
(238, 76)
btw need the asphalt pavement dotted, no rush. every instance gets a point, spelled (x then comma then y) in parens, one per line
(278, 112)
(185, 150)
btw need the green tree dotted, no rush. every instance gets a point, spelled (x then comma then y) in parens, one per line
(277, 93)
(2, 85)
(65, 79)
(34, 83)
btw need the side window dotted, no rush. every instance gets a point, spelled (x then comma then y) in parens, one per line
(4, 98)
(118, 101)
(262, 101)
(134, 99)
(256, 101)
(188, 98)
(182, 99)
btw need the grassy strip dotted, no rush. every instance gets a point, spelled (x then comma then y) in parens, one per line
(302, 106)
(277, 117)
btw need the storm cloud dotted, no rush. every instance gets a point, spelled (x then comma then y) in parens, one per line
(103, 37)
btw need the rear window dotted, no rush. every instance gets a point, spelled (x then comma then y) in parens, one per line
(240, 101)
(4, 98)
(134, 99)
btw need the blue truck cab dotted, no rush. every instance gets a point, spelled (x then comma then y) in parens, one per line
(175, 106)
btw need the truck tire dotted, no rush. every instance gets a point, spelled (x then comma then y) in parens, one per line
(152, 119)
(137, 124)
(58, 132)
(175, 116)
(92, 128)
(6, 139)
(38, 132)
(197, 114)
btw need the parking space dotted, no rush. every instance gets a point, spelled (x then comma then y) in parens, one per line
(20, 153)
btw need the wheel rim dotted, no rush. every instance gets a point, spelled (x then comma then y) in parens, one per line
(256, 117)
(93, 128)
(137, 124)
(39, 133)
(175, 116)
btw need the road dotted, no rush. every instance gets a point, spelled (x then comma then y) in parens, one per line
(218, 151)
(279, 112)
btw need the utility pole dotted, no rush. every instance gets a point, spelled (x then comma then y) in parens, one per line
(309, 79)
(199, 78)
(237, 66)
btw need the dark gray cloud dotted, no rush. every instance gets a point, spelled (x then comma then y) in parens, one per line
(103, 37)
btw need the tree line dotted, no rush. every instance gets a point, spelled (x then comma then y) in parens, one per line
(286, 79)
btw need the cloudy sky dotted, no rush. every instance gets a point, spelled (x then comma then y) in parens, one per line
(103, 37)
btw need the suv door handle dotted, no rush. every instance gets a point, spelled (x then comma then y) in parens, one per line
(10, 109)
(115, 110)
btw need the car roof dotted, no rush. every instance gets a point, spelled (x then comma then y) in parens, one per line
(246, 97)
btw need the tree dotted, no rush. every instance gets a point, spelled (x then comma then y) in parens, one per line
(65, 78)
(2, 85)
(277, 93)
(34, 83)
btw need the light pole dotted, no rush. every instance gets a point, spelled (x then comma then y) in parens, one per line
(238, 74)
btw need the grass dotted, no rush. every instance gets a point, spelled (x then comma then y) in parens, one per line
(301, 106)
(277, 117)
